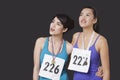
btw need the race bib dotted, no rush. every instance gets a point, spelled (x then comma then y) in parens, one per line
(50, 70)
(80, 60)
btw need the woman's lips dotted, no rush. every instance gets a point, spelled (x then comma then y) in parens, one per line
(52, 29)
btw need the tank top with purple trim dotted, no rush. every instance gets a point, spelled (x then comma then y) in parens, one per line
(94, 64)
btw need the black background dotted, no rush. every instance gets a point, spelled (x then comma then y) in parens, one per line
(22, 22)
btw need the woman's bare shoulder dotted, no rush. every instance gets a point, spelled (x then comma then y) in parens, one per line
(40, 41)
(69, 47)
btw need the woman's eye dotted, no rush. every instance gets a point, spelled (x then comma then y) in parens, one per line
(59, 24)
(87, 15)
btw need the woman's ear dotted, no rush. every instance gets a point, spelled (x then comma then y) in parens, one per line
(65, 29)
(95, 21)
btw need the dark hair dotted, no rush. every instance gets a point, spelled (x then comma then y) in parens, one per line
(96, 25)
(66, 21)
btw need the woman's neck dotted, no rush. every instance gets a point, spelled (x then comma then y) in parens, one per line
(87, 31)
(56, 39)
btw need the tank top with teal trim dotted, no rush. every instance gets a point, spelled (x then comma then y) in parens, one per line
(63, 54)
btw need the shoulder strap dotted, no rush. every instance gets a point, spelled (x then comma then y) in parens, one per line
(46, 43)
(77, 38)
(96, 39)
